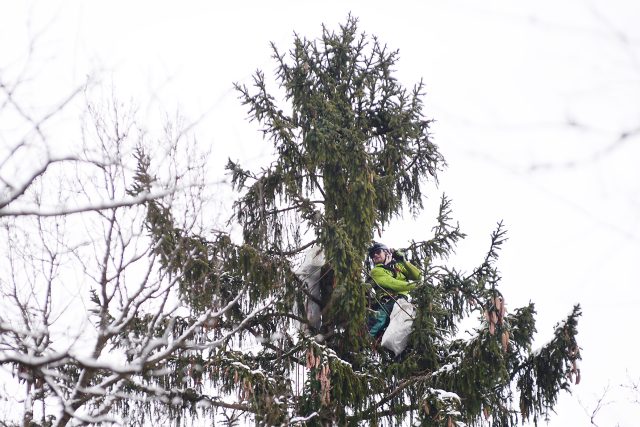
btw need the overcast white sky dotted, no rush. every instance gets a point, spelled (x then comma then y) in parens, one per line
(504, 82)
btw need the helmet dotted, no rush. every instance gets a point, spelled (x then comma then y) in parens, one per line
(375, 247)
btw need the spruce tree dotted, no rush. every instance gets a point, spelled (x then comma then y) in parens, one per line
(353, 152)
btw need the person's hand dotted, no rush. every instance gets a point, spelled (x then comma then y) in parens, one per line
(399, 256)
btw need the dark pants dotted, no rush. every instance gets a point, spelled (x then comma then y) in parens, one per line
(379, 320)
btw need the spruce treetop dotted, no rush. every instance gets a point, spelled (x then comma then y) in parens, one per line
(353, 150)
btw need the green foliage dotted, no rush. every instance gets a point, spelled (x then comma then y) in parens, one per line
(353, 153)
(546, 372)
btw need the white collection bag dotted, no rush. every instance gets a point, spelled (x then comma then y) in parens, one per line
(396, 337)
(310, 273)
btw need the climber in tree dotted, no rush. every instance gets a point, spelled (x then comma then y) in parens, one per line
(393, 277)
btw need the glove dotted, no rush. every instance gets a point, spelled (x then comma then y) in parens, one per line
(399, 256)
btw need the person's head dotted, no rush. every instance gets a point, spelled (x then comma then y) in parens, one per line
(379, 253)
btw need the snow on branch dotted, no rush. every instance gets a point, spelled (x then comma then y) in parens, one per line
(96, 206)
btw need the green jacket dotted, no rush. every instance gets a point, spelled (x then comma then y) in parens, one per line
(395, 277)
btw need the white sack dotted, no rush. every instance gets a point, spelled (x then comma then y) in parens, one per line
(396, 337)
(310, 273)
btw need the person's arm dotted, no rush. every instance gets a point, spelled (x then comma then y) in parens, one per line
(384, 279)
(411, 272)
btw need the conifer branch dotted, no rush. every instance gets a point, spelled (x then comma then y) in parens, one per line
(297, 250)
(392, 395)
